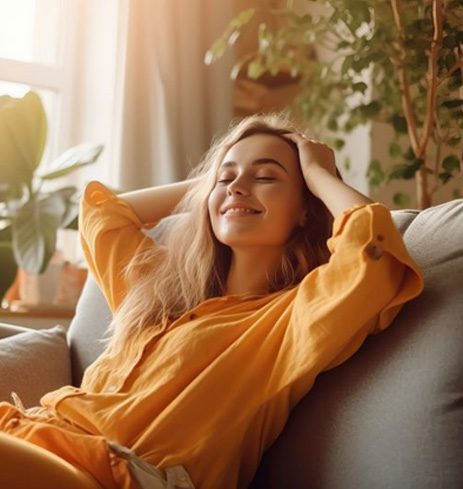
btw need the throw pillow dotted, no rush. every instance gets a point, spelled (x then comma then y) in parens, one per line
(34, 363)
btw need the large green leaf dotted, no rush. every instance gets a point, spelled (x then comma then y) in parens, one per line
(34, 231)
(23, 131)
(73, 159)
(5, 233)
(71, 212)
(9, 267)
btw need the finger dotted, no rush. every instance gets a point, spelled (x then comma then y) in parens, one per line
(300, 138)
(296, 137)
(290, 135)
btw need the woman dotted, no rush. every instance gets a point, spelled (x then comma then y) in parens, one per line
(219, 332)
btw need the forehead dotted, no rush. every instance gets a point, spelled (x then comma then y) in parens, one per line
(260, 146)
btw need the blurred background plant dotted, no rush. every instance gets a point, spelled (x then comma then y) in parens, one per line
(400, 62)
(30, 216)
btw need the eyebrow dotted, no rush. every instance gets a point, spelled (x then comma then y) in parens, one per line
(259, 161)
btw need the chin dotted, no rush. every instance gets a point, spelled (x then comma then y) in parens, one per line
(235, 243)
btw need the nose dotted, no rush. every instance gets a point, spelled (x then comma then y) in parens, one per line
(238, 187)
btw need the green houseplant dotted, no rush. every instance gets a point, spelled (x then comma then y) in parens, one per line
(400, 62)
(30, 216)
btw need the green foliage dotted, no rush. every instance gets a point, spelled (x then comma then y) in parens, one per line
(23, 128)
(375, 173)
(31, 217)
(9, 267)
(400, 199)
(450, 165)
(363, 41)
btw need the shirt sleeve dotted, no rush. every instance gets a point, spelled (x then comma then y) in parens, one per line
(368, 279)
(110, 234)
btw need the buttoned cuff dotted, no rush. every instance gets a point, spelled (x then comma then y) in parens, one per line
(341, 220)
(369, 226)
(96, 193)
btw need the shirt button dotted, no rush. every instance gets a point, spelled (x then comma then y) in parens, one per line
(374, 251)
(193, 316)
(12, 423)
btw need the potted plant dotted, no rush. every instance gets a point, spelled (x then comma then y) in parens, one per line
(401, 63)
(30, 216)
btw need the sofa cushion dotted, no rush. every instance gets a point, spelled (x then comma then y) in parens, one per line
(87, 329)
(392, 415)
(34, 363)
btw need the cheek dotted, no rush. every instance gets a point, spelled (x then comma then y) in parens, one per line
(286, 202)
(287, 214)
(213, 204)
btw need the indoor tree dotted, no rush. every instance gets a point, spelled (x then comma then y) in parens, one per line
(400, 61)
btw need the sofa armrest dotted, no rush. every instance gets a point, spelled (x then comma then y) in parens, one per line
(11, 329)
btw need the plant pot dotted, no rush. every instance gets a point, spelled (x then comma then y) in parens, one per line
(41, 288)
(59, 286)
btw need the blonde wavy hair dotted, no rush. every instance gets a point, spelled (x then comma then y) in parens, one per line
(191, 266)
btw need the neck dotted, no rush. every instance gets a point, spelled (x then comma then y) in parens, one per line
(250, 269)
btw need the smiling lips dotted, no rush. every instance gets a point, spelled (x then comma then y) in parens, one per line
(238, 210)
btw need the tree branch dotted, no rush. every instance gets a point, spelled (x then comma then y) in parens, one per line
(423, 195)
(431, 75)
(407, 104)
(439, 142)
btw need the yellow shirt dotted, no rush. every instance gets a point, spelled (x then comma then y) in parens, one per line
(215, 390)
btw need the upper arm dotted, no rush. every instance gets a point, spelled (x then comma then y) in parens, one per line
(111, 235)
(368, 278)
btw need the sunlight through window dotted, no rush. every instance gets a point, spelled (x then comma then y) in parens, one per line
(29, 30)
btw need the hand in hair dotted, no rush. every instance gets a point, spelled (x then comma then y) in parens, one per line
(318, 167)
(313, 156)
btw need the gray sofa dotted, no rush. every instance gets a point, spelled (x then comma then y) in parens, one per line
(391, 417)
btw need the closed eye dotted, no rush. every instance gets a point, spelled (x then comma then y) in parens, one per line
(225, 180)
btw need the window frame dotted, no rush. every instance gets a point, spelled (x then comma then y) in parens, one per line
(58, 77)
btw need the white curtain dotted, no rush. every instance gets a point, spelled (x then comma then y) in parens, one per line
(170, 102)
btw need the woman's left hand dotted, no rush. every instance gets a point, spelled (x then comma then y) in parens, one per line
(318, 167)
(314, 156)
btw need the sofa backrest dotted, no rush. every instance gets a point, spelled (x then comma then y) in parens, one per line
(392, 415)
(389, 417)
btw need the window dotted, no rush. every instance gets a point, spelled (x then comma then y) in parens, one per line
(35, 44)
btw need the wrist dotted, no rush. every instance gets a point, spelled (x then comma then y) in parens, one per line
(316, 178)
